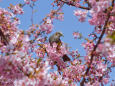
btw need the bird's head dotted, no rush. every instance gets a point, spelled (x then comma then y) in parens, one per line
(59, 34)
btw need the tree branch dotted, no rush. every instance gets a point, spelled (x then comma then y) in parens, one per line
(73, 4)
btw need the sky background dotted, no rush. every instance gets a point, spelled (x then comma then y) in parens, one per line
(67, 27)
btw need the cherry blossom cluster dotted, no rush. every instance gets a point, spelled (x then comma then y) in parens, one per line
(17, 9)
(29, 1)
(55, 56)
(47, 27)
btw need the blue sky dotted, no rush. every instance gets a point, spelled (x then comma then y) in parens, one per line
(67, 27)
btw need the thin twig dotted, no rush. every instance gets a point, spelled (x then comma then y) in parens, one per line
(32, 21)
(53, 13)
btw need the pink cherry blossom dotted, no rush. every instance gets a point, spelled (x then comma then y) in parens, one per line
(47, 27)
(17, 9)
(76, 35)
(27, 1)
(81, 14)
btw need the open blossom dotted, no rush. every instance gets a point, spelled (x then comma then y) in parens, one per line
(105, 80)
(97, 18)
(40, 52)
(41, 40)
(75, 71)
(96, 83)
(101, 67)
(42, 77)
(56, 56)
(60, 16)
(81, 14)
(53, 50)
(77, 4)
(74, 53)
(27, 1)
(110, 48)
(77, 35)
(14, 38)
(88, 46)
(102, 49)
(47, 27)
(34, 0)
(100, 5)
(9, 25)
(17, 9)
(9, 70)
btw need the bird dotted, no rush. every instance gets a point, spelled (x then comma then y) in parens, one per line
(55, 38)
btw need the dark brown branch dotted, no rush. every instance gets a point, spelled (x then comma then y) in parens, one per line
(3, 37)
(89, 5)
(95, 47)
(73, 4)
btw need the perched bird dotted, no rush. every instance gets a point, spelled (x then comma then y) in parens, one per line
(56, 38)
